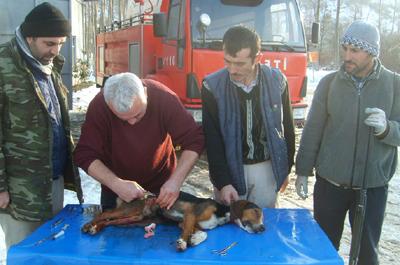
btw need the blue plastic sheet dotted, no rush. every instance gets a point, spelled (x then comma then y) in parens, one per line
(292, 237)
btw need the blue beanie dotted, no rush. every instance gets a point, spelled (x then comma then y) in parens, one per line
(364, 36)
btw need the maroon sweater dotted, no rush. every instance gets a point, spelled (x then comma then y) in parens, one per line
(143, 152)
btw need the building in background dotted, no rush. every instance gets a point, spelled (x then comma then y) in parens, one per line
(13, 12)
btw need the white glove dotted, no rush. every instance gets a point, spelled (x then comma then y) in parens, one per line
(302, 186)
(376, 119)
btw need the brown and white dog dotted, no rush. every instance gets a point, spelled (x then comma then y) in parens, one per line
(194, 215)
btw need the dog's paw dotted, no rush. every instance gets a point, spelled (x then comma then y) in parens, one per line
(197, 238)
(92, 229)
(89, 228)
(85, 228)
(181, 244)
(228, 215)
(225, 219)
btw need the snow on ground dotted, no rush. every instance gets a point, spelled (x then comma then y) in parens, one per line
(91, 188)
(82, 98)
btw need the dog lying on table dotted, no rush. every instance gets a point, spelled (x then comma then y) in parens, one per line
(192, 213)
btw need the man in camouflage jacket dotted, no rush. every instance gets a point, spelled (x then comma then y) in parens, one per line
(35, 140)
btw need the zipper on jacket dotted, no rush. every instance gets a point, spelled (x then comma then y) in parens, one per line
(359, 87)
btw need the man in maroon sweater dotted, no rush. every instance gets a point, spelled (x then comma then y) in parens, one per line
(127, 141)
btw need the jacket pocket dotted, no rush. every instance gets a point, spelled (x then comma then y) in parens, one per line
(21, 111)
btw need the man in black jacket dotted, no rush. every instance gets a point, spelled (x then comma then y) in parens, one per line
(248, 124)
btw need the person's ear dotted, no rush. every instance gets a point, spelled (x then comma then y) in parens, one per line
(258, 57)
(29, 40)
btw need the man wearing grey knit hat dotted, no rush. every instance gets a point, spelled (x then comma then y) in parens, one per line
(350, 139)
(35, 141)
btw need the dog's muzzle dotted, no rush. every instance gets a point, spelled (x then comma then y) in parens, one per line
(259, 228)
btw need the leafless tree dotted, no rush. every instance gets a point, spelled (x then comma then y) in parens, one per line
(337, 59)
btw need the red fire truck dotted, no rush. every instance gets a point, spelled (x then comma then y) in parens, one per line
(179, 42)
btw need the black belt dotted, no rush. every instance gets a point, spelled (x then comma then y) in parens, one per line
(346, 187)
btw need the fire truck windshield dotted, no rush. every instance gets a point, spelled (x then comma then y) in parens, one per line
(276, 21)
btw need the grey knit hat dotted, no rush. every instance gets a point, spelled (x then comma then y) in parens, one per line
(364, 36)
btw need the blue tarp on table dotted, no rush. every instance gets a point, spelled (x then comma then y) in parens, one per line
(292, 237)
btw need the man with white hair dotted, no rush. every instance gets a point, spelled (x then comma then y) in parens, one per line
(351, 139)
(128, 138)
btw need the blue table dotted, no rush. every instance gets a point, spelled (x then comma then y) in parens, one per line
(291, 237)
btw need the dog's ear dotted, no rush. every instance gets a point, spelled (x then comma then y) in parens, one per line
(254, 214)
(238, 208)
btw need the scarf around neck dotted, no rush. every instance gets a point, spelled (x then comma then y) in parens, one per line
(23, 45)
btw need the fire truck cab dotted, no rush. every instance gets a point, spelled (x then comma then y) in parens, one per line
(182, 43)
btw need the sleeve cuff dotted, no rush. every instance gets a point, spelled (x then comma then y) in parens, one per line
(220, 183)
(384, 133)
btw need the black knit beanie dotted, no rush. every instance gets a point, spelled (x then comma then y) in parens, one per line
(45, 20)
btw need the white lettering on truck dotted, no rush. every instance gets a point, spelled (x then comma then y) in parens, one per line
(277, 63)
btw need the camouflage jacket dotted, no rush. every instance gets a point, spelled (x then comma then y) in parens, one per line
(26, 138)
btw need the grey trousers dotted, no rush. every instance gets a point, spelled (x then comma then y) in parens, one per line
(15, 230)
(260, 184)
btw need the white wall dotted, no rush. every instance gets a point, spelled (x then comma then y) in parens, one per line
(77, 23)
(12, 14)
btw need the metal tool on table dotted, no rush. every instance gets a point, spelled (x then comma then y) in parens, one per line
(57, 223)
(53, 236)
(224, 251)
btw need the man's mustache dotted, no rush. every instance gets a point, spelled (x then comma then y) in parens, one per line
(349, 62)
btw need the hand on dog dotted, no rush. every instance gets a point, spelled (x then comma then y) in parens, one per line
(128, 190)
(228, 195)
(169, 192)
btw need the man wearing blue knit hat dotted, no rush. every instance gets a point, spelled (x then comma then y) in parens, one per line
(351, 138)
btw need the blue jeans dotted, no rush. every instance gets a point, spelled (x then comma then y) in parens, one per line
(331, 204)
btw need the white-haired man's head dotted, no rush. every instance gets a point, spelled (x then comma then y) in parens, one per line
(126, 96)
